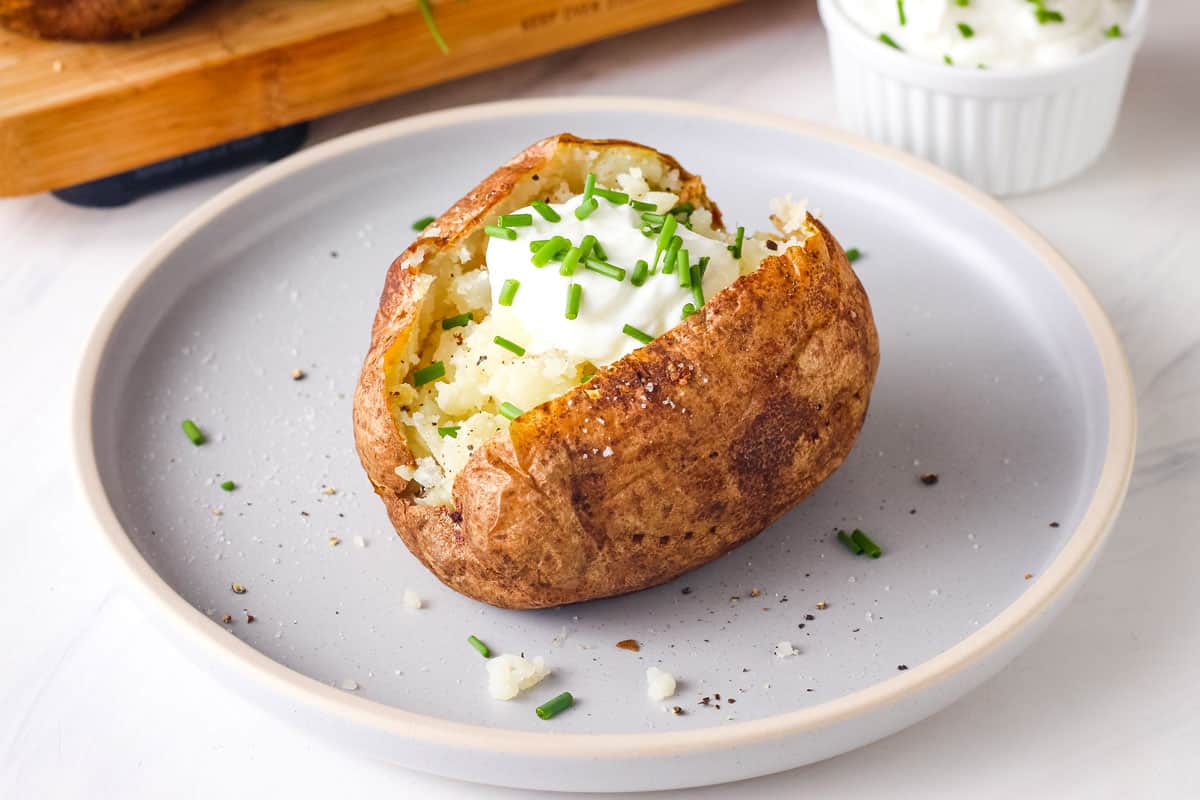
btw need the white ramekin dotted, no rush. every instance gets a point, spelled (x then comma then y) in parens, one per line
(1006, 131)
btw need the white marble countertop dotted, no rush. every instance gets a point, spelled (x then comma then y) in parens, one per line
(94, 702)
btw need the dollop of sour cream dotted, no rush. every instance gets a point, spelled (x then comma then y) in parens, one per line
(992, 34)
(538, 310)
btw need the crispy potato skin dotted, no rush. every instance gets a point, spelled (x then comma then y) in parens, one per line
(88, 20)
(716, 429)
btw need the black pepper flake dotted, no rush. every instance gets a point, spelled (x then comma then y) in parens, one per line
(717, 696)
(912, 511)
(686, 590)
(705, 701)
(809, 617)
(333, 254)
(856, 630)
(772, 244)
(801, 625)
(535, 177)
(456, 517)
(1053, 524)
(902, 667)
(930, 478)
(732, 700)
(677, 711)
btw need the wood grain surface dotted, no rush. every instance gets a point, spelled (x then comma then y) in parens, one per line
(71, 112)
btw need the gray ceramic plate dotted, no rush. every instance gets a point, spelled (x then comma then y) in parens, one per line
(999, 373)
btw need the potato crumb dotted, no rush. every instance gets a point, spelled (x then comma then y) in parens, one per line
(509, 675)
(412, 600)
(789, 215)
(785, 649)
(659, 685)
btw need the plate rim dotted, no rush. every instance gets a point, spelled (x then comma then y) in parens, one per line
(283, 682)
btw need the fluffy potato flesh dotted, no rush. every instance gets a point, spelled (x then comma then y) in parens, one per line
(665, 459)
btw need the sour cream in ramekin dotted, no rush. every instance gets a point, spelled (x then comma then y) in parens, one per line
(1030, 94)
(992, 34)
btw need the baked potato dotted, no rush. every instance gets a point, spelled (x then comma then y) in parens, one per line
(528, 480)
(88, 20)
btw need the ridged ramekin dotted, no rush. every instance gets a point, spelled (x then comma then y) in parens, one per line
(1006, 131)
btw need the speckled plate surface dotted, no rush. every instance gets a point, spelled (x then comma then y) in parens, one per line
(999, 373)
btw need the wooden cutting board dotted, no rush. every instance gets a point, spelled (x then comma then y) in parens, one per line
(72, 112)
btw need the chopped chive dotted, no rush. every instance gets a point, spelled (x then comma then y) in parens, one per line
(981, 66)
(966, 30)
(423, 223)
(536, 244)
(853, 254)
(963, 3)
(509, 291)
(848, 540)
(576, 255)
(698, 293)
(702, 267)
(640, 272)
(449, 430)
(229, 486)
(548, 213)
(483, 649)
(672, 254)
(736, 247)
(641, 336)
(193, 432)
(650, 231)
(664, 239)
(574, 296)
(499, 232)
(653, 218)
(516, 220)
(431, 373)
(586, 208)
(685, 270)
(1114, 32)
(510, 411)
(587, 245)
(598, 249)
(549, 249)
(605, 269)
(641, 205)
(688, 310)
(589, 185)
(947, 59)
(509, 345)
(431, 24)
(619, 198)
(900, 9)
(889, 41)
(1045, 15)
(555, 706)
(570, 260)
(864, 541)
(685, 209)
(456, 322)
(586, 376)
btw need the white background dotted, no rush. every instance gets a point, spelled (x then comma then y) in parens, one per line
(94, 702)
